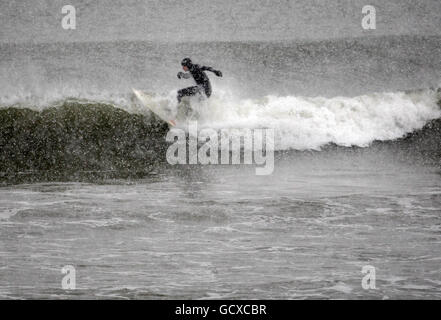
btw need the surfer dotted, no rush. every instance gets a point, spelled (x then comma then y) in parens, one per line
(197, 72)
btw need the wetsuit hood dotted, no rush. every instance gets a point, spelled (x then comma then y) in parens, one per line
(187, 63)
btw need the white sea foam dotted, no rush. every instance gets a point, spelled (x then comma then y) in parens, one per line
(310, 123)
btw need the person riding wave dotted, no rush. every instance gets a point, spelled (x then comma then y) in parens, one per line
(197, 72)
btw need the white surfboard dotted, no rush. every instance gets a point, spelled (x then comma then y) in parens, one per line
(159, 108)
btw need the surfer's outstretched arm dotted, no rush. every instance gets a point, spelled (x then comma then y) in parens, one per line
(183, 75)
(216, 72)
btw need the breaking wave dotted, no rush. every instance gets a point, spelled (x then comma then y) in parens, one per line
(79, 134)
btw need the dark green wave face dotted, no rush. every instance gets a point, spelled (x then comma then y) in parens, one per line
(76, 141)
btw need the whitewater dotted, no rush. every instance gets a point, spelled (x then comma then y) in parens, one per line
(303, 123)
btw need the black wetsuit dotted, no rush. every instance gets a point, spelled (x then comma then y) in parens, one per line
(201, 79)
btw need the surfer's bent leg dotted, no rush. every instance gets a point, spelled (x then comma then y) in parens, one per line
(207, 89)
(190, 91)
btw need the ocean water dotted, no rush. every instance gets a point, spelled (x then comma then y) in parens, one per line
(356, 181)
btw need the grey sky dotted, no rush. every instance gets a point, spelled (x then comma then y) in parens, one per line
(40, 20)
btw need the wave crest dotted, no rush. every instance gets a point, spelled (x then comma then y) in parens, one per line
(310, 123)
